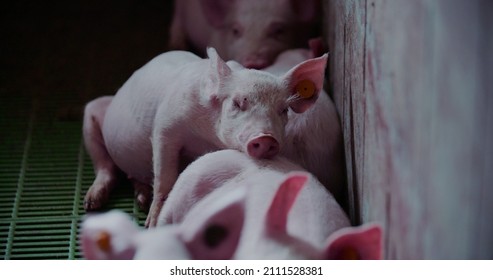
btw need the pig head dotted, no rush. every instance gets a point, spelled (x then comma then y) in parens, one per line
(251, 32)
(211, 233)
(348, 243)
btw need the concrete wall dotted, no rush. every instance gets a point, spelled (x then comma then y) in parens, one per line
(412, 81)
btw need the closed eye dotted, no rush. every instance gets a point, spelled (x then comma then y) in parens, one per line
(241, 105)
(236, 104)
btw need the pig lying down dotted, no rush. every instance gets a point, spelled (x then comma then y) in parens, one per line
(274, 188)
(181, 106)
(254, 209)
(252, 32)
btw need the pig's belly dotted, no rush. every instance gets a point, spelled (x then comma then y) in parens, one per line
(128, 142)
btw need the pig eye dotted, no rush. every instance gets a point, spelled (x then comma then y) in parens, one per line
(236, 31)
(236, 104)
(214, 235)
(277, 30)
(284, 111)
(240, 104)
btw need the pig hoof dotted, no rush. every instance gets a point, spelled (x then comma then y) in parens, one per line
(95, 200)
(143, 195)
(144, 201)
(91, 205)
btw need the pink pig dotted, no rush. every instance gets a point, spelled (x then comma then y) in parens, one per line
(252, 32)
(179, 106)
(313, 139)
(275, 188)
(211, 232)
(283, 216)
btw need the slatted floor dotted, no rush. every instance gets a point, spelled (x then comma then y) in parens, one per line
(44, 174)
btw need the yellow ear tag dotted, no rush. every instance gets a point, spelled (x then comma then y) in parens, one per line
(104, 241)
(349, 253)
(305, 89)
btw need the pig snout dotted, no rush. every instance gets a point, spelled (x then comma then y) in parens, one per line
(263, 147)
(255, 62)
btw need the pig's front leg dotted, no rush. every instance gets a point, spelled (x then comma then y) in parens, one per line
(165, 152)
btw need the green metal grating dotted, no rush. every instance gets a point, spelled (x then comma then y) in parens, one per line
(44, 175)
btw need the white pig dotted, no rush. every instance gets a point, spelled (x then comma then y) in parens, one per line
(181, 106)
(252, 32)
(114, 236)
(233, 223)
(271, 185)
(313, 139)
(211, 232)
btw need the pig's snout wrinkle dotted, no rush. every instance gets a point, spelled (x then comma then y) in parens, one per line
(263, 147)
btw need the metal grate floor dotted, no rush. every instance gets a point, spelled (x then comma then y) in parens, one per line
(44, 175)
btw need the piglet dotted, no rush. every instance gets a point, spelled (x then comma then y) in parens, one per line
(252, 32)
(220, 226)
(313, 139)
(179, 106)
(210, 232)
(274, 188)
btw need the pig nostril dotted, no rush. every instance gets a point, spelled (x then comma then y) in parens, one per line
(263, 147)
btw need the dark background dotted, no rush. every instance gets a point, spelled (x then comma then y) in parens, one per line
(78, 48)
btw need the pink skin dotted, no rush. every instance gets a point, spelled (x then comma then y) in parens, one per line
(282, 201)
(263, 147)
(180, 106)
(313, 139)
(214, 175)
(252, 32)
(272, 215)
(212, 232)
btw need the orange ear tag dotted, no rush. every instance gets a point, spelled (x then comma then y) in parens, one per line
(305, 89)
(104, 241)
(349, 254)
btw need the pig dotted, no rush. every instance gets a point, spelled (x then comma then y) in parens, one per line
(313, 216)
(313, 139)
(114, 236)
(241, 221)
(179, 106)
(251, 32)
(210, 232)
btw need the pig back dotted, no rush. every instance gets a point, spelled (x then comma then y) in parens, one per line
(129, 120)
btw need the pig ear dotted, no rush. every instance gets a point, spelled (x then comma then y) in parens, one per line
(215, 11)
(305, 81)
(108, 236)
(355, 243)
(218, 73)
(215, 237)
(277, 215)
